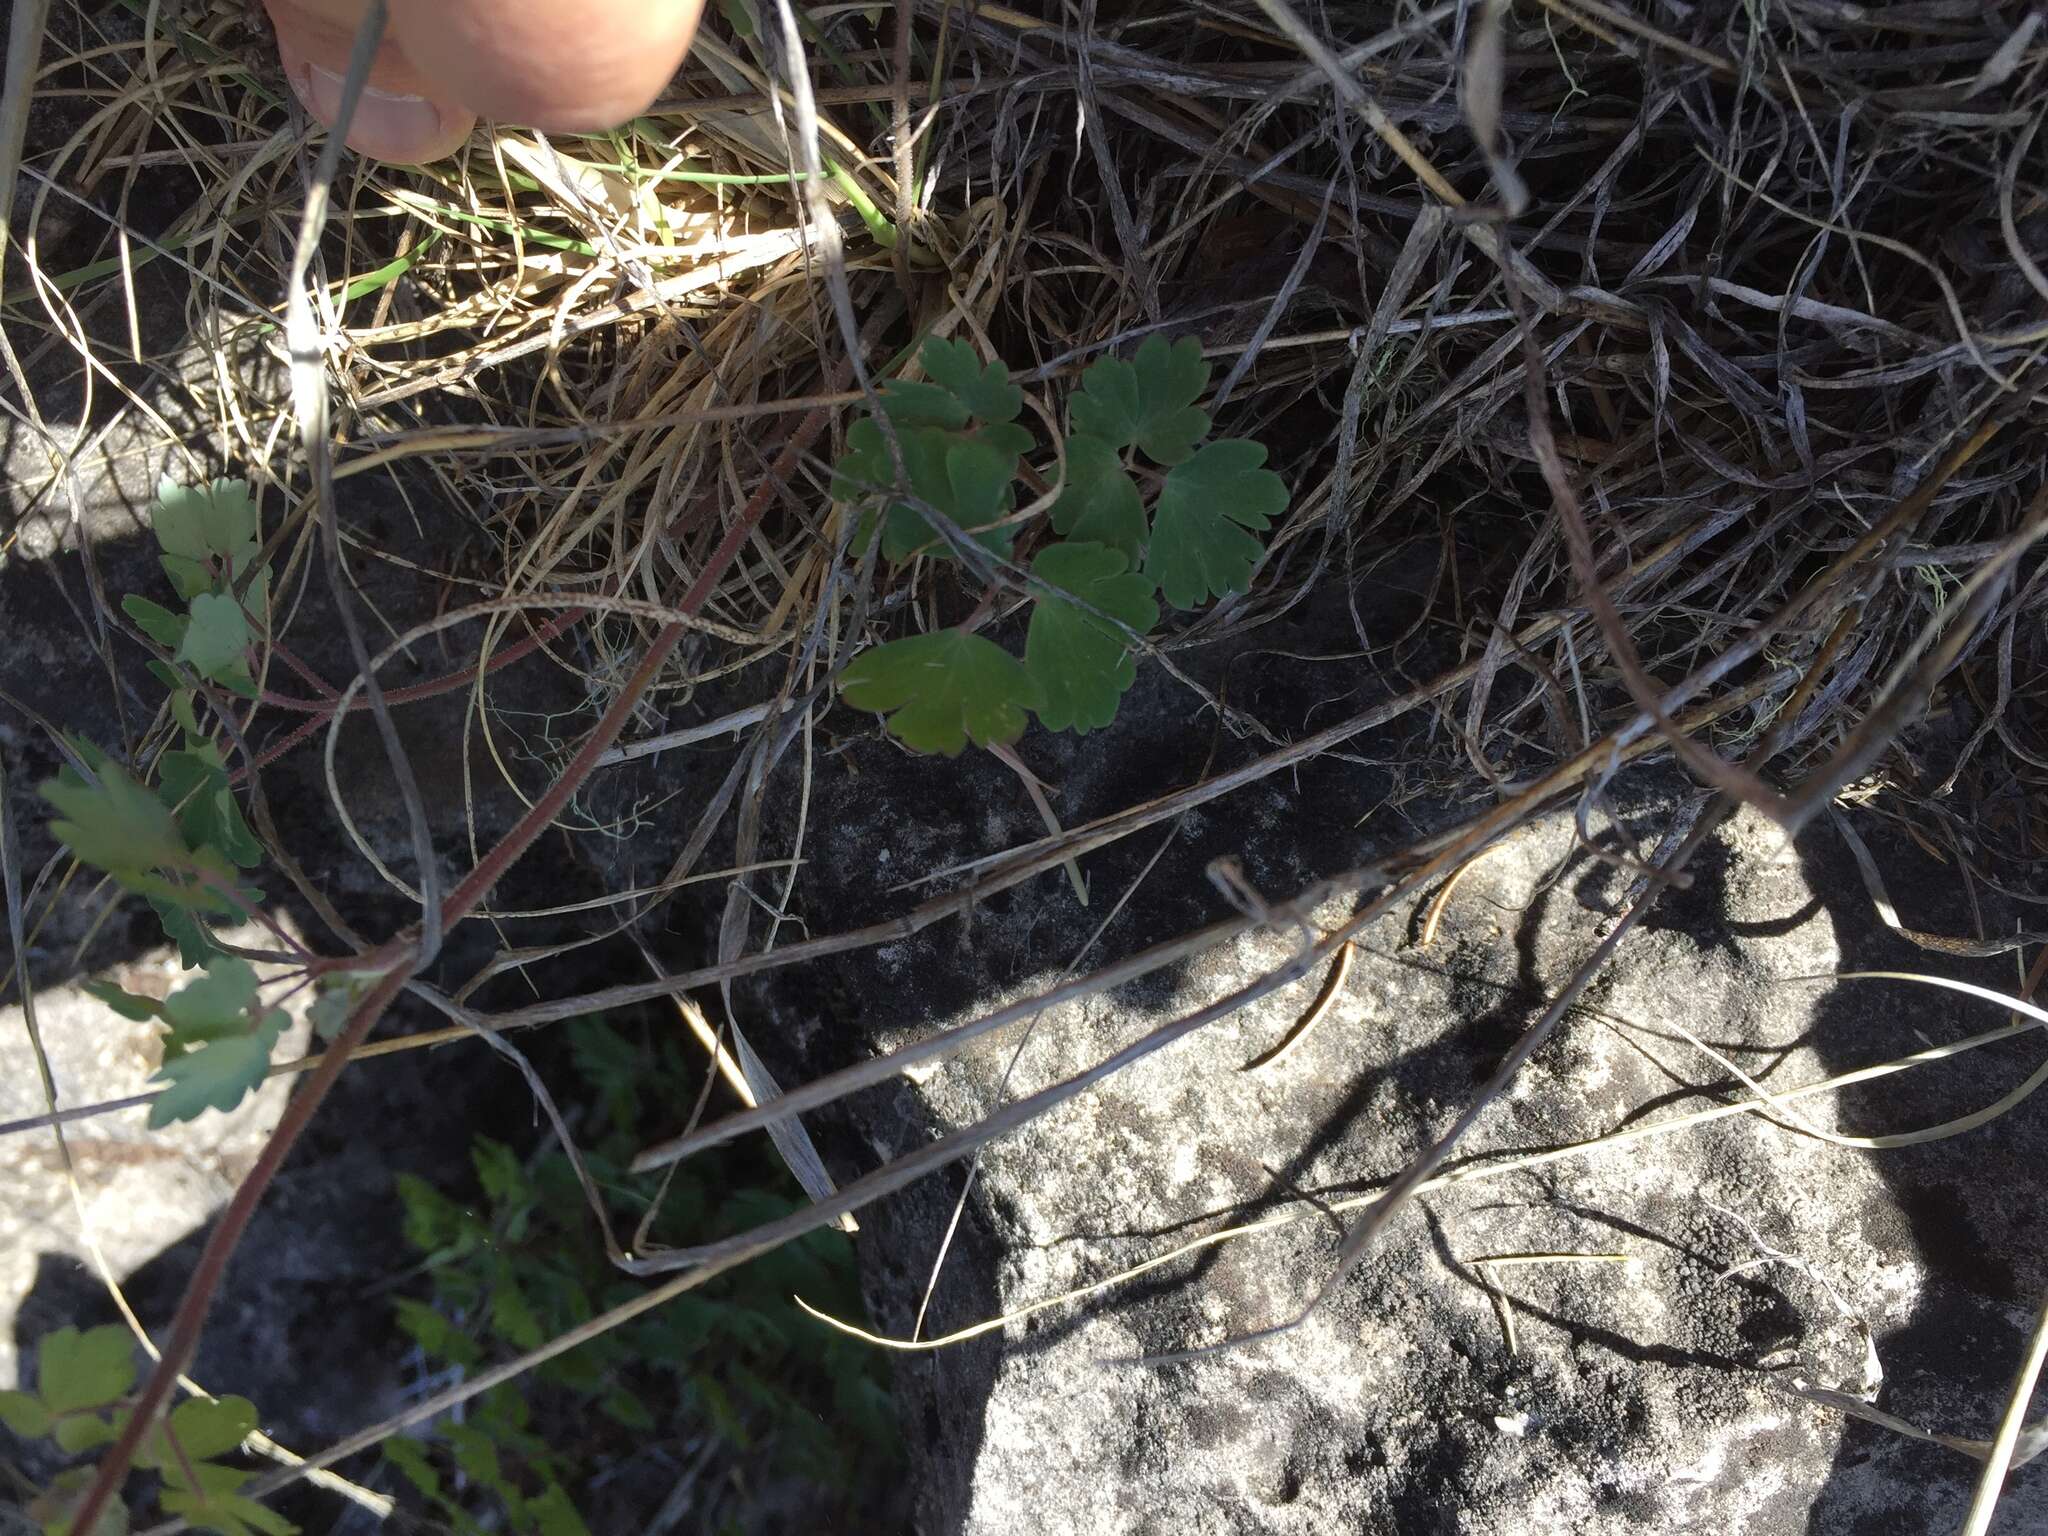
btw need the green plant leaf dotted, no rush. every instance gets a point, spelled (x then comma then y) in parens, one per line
(194, 783)
(1099, 502)
(114, 824)
(554, 1514)
(217, 640)
(435, 1334)
(126, 1004)
(199, 526)
(218, 633)
(985, 391)
(1149, 400)
(212, 1501)
(978, 473)
(77, 1370)
(82, 1432)
(410, 1457)
(213, 1007)
(339, 993)
(476, 1455)
(189, 895)
(55, 1509)
(1200, 544)
(499, 1171)
(208, 1427)
(512, 1316)
(966, 478)
(432, 1220)
(24, 1415)
(216, 1076)
(942, 691)
(624, 1408)
(166, 628)
(1081, 664)
(195, 944)
(911, 403)
(329, 1013)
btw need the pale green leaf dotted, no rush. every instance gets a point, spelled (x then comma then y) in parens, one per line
(126, 1004)
(1149, 400)
(338, 997)
(77, 1370)
(218, 1075)
(114, 824)
(214, 1006)
(204, 529)
(942, 691)
(216, 642)
(166, 628)
(24, 1415)
(1202, 546)
(1081, 663)
(985, 391)
(199, 520)
(208, 1427)
(82, 1432)
(1099, 502)
(187, 896)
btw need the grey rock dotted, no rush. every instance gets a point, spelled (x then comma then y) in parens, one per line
(1647, 1385)
(129, 1192)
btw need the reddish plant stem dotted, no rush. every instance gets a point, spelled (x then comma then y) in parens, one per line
(220, 1247)
(446, 683)
(399, 957)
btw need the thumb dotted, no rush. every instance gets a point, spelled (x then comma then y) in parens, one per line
(401, 116)
(558, 65)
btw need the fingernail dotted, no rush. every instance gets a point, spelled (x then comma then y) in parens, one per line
(387, 124)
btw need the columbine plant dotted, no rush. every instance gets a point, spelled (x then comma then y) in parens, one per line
(1150, 504)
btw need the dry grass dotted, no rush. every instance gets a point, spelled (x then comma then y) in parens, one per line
(1707, 364)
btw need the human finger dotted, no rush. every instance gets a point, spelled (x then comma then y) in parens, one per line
(557, 65)
(402, 116)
